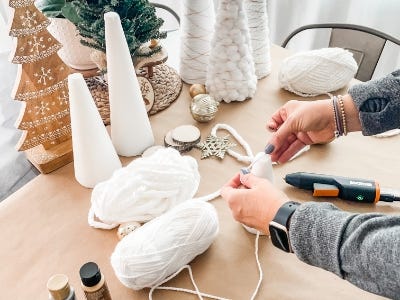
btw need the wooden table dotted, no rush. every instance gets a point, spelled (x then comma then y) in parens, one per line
(44, 229)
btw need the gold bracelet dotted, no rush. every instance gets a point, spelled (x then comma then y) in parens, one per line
(335, 118)
(341, 104)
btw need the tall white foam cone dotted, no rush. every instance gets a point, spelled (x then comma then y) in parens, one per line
(131, 131)
(95, 158)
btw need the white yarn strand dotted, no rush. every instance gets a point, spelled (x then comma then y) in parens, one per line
(195, 292)
(197, 27)
(230, 74)
(259, 32)
(244, 158)
(260, 271)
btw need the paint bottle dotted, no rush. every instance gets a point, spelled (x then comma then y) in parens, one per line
(93, 283)
(59, 288)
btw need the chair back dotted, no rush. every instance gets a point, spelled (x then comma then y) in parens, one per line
(365, 43)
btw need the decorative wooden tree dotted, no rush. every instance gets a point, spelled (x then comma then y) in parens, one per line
(42, 84)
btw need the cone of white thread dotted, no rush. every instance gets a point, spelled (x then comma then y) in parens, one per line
(257, 16)
(131, 131)
(197, 26)
(231, 75)
(95, 158)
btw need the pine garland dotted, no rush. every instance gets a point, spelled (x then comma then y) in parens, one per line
(138, 18)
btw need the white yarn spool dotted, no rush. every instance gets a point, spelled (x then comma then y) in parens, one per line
(231, 75)
(162, 246)
(317, 72)
(257, 17)
(197, 27)
(144, 189)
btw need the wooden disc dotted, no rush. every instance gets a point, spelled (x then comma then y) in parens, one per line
(169, 142)
(186, 134)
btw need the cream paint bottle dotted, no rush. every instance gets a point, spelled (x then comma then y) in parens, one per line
(59, 288)
(93, 283)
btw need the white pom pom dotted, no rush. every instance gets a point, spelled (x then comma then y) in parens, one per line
(317, 72)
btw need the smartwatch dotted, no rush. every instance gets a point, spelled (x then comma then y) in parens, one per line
(279, 226)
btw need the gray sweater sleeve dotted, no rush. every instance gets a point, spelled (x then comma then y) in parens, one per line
(361, 248)
(378, 103)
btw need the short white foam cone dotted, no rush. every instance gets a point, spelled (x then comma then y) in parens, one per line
(131, 131)
(95, 158)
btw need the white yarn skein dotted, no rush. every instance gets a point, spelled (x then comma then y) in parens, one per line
(316, 72)
(197, 27)
(230, 74)
(144, 189)
(257, 17)
(159, 248)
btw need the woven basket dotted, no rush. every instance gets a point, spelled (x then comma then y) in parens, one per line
(165, 81)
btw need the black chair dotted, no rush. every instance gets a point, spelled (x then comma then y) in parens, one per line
(365, 43)
(169, 10)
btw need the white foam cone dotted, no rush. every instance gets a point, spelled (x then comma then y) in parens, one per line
(95, 158)
(131, 131)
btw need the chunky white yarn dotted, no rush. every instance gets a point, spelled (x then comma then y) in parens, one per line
(144, 189)
(317, 72)
(197, 27)
(257, 17)
(159, 248)
(231, 75)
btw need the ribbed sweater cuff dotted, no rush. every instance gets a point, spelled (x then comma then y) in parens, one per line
(315, 234)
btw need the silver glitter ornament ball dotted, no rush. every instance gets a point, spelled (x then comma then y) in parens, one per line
(203, 107)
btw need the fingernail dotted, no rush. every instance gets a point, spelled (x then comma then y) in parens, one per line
(269, 148)
(244, 171)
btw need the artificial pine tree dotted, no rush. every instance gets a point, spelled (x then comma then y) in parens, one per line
(42, 84)
(138, 18)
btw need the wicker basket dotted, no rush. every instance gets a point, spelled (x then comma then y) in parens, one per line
(165, 82)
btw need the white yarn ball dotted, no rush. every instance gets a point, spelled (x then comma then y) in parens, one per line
(146, 188)
(148, 255)
(317, 72)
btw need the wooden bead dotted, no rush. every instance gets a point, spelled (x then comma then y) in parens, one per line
(196, 89)
(126, 228)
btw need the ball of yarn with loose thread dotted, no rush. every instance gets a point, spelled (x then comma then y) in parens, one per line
(146, 188)
(317, 72)
(148, 255)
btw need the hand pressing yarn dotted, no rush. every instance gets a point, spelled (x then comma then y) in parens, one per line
(144, 189)
(161, 247)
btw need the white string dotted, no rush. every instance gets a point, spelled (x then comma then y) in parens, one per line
(249, 154)
(196, 292)
(197, 27)
(260, 271)
(259, 34)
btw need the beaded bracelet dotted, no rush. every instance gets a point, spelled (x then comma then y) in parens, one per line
(341, 103)
(338, 128)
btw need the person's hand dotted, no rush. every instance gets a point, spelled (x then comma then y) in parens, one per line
(254, 201)
(297, 124)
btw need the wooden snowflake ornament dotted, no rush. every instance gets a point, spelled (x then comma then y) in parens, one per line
(215, 146)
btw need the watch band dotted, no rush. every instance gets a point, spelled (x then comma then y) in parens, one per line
(279, 226)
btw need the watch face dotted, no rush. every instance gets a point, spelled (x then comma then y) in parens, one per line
(279, 237)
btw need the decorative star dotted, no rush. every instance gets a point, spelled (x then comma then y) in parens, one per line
(215, 146)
